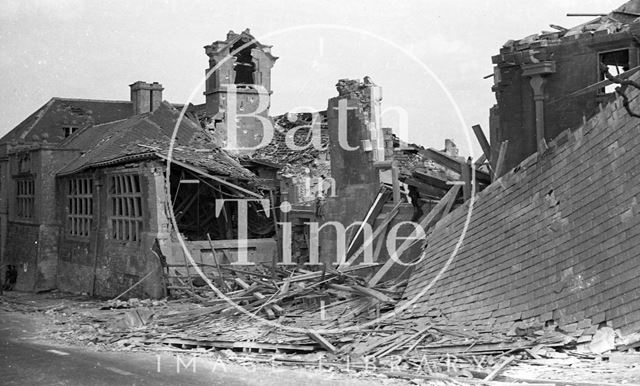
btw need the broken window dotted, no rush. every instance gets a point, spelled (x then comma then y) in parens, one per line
(25, 197)
(125, 199)
(616, 63)
(80, 206)
(244, 65)
(68, 130)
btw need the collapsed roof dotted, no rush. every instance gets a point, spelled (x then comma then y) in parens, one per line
(149, 136)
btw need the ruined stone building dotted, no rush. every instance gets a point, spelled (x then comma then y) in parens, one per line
(549, 82)
(88, 203)
(555, 240)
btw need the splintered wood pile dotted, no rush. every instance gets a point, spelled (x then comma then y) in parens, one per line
(274, 309)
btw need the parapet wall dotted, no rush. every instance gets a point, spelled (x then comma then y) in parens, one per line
(557, 238)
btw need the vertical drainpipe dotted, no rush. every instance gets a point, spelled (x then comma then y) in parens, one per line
(97, 209)
(537, 71)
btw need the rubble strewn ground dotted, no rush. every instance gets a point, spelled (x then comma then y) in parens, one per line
(417, 352)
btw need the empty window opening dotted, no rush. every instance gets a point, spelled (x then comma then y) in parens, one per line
(244, 65)
(68, 130)
(197, 216)
(80, 207)
(616, 62)
(125, 199)
(25, 197)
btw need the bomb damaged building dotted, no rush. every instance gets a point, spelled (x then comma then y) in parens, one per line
(539, 234)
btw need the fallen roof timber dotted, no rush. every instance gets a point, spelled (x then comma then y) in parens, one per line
(203, 173)
(452, 163)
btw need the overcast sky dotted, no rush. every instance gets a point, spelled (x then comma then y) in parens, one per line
(415, 50)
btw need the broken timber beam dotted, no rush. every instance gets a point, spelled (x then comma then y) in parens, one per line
(395, 174)
(325, 344)
(259, 296)
(466, 178)
(379, 229)
(501, 159)
(374, 211)
(431, 218)
(452, 163)
(598, 85)
(484, 144)
(205, 174)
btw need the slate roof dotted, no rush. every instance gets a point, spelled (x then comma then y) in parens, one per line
(47, 122)
(145, 136)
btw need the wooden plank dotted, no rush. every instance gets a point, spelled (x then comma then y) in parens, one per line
(484, 144)
(426, 189)
(431, 180)
(448, 206)
(451, 163)
(597, 86)
(372, 213)
(325, 344)
(466, 178)
(205, 174)
(382, 227)
(259, 296)
(430, 219)
(215, 260)
(373, 293)
(395, 174)
(481, 160)
(499, 368)
(501, 159)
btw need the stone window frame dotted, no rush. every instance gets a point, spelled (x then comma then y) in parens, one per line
(125, 207)
(79, 206)
(25, 197)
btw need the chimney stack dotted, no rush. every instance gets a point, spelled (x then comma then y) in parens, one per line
(145, 97)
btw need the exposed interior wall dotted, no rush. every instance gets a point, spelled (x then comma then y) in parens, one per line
(354, 172)
(555, 239)
(576, 62)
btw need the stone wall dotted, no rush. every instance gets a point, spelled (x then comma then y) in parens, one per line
(118, 264)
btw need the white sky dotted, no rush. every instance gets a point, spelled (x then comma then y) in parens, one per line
(94, 50)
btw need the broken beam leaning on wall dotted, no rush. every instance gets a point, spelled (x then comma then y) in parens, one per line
(430, 219)
(501, 159)
(597, 86)
(484, 144)
(374, 211)
(379, 229)
(466, 178)
(452, 163)
(477, 163)
(203, 173)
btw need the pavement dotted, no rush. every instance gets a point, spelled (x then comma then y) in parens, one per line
(29, 358)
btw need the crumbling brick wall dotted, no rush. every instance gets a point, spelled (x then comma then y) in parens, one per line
(557, 238)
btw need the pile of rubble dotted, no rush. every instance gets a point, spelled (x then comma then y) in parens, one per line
(303, 318)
